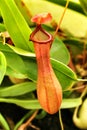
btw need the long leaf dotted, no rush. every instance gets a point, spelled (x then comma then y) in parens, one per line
(15, 74)
(22, 52)
(27, 104)
(64, 74)
(15, 62)
(71, 103)
(15, 24)
(18, 89)
(56, 49)
(34, 104)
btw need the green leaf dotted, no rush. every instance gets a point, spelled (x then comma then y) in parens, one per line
(2, 66)
(5, 48)
(59, 51)
(21, 51)
(15, 65)
(71, 103)
(34, 104)
(18, 89)
(12, 73)
(27, 104)
(4, 123)
(15, 62)
(64, 74)
(31, 68)
(15, 24)
(12, 49)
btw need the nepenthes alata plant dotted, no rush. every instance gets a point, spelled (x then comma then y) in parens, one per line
(49, 90)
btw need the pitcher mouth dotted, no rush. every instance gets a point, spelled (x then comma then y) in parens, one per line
(36, 40)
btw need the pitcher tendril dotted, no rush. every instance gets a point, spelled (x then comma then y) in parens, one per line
(49, 91)
(67, 3)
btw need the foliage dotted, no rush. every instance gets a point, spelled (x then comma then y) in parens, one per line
(19, 61)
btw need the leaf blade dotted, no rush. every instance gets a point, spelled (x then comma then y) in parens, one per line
(34, 104)
(17, 28)
(71, 103)
(18, 89)
(56, 49)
